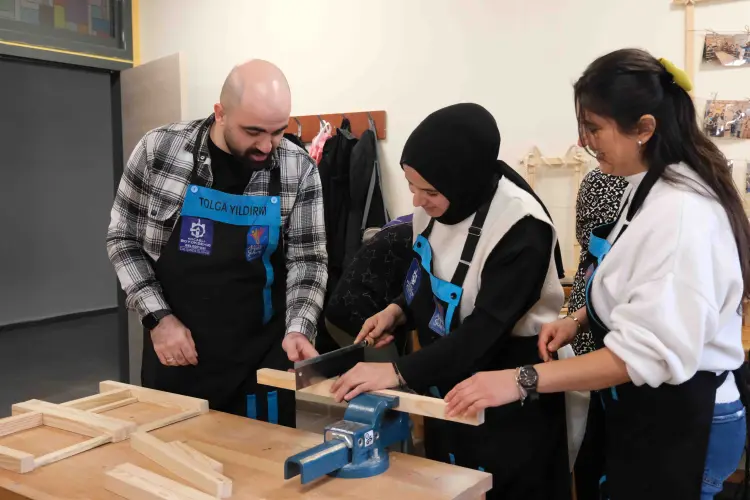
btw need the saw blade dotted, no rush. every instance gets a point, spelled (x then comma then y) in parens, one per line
(332, 364)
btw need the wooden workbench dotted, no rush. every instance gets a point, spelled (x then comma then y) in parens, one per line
(253, 455)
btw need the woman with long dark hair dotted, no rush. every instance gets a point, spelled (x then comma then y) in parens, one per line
(663, 299)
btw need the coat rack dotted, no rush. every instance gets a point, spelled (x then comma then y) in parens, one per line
(310, 124)
(575, 158)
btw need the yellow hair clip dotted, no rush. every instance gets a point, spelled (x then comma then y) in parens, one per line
(680, 77)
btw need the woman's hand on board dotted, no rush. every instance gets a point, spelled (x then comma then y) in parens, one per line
(480, 391)
(377, 327)
(364, 377)
(555, 335)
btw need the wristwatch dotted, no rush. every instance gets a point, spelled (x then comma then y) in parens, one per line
(527, 379)
(151, 320)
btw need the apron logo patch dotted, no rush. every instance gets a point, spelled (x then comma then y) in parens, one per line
(411, 284)
(437, 323)
(196, 235)
(257, 241)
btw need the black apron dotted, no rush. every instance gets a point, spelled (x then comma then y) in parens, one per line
(645, 443)
(223, 274)
(523, 447)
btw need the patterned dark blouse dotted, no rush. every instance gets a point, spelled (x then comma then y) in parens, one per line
(598, 200)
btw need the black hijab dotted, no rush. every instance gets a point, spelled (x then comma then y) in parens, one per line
(455, 149)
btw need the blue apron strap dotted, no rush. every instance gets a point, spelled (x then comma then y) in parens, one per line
(452, 458)
(273, 407)
(252, 410)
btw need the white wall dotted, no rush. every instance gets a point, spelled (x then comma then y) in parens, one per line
(410, 57)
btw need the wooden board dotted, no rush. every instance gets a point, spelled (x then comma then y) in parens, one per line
(253, 454)
(78, 421)
(183, 465)
(409, 403)
(359, 122)
(114, 395)
(135, 483)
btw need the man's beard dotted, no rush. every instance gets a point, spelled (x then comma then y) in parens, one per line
(244, 156)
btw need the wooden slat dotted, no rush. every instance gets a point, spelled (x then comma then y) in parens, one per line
(198, 457)
(71, 450)
(409, 403)
(16, 461)
(18, 423)
(171, 419)
(77, 421)
(180, 464)
(97, 400)
(113, 405)
(358, 120)
(145, 395)
(134, 483)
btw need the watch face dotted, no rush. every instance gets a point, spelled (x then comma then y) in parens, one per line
(528, 377)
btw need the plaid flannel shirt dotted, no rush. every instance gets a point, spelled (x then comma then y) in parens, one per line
(149, 200)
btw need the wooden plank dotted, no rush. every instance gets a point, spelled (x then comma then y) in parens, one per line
(145, 395)
(198, 457)
(164, 454)
(16, 461)
(71, 450)
(97, 400)
(358, 119)
(18, 423)
(276, 378)
(77, 421)
(113, 405)
(135, 483)
(409, 403)
(169, 420)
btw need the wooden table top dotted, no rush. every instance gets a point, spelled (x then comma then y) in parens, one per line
(253, 454)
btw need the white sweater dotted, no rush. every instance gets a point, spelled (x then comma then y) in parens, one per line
(670, 290)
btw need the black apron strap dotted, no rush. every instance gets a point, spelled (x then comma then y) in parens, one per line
(648, 182)
(472, 240)
(274, 184)
(470, 246)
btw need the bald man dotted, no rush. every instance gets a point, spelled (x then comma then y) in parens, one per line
(218, 239)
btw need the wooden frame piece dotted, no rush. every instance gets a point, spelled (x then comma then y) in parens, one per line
(34, 413)
(134, 483)
(575, 158)
(359, 121)
(117, 394)
(183, 464)
(409, 403)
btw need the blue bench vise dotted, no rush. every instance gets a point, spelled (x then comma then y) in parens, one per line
(354, 447)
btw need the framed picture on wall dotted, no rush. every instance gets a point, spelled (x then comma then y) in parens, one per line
(727, 119)
(94, 33)
(727, 50)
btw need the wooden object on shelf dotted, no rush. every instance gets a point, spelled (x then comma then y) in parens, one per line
(359, 121)
(409, 403)
(182, 464)
(113, 395)
(32, 414)
(134, 483)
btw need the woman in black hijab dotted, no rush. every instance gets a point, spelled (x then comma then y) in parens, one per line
(482, 281)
